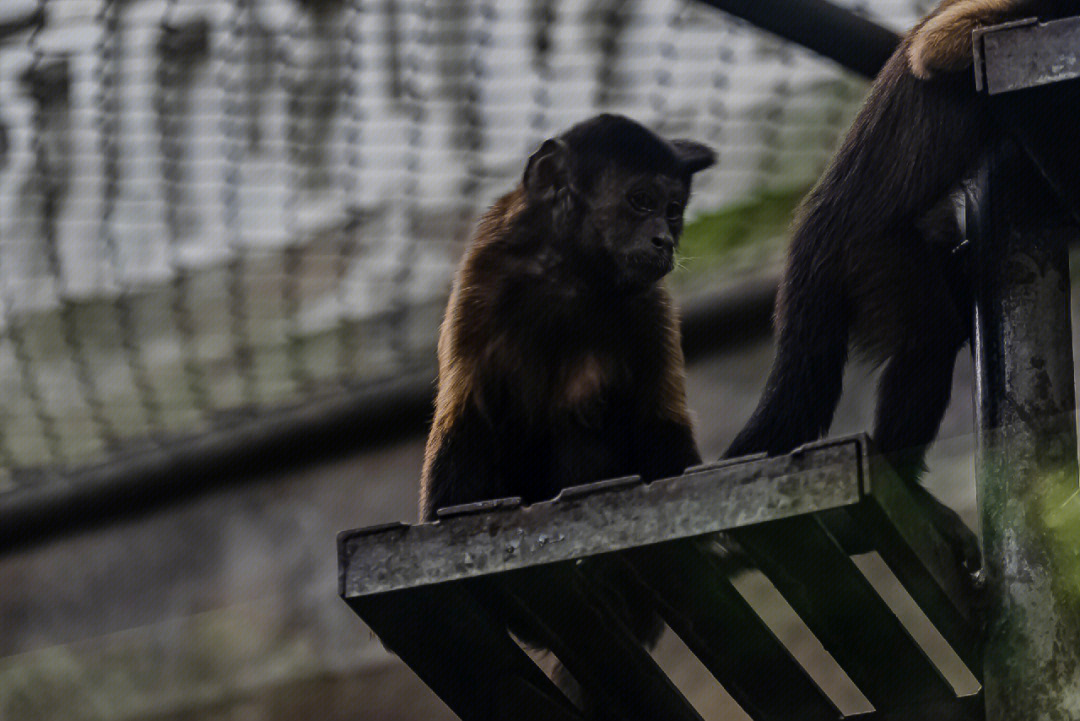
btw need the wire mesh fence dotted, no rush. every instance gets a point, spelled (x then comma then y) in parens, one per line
(212, 208)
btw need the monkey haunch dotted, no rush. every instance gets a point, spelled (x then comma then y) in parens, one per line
(871, 255)
(559, 356)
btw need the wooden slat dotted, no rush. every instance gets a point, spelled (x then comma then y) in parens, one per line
(923, 561)
(464, 655)
(564, 610)
(701, 605)
(842, 609)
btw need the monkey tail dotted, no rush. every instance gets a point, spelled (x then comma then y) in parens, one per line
(803, 387)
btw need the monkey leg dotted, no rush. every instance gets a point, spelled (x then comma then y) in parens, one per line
(631, 603)
(913, 301)
(910, 294)
(913, 395)
(916, 383)
(806, 378)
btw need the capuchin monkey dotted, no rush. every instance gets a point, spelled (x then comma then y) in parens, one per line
(559, 354)
(873, 256)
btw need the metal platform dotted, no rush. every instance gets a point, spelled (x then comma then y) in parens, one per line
(432, 592)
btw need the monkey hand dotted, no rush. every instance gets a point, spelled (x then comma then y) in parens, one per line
(967, 554)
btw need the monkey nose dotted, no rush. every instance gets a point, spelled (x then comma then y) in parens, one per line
(664, 242)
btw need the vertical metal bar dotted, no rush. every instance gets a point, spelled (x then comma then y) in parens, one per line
(773, 111)
(1026, 443)
(173, 108)
(48, 81)
(109, 110)
(479, 37)
(358, 13)
(301, 84)
(658, 97)
(612, 17)
(17, 328)
(229, 76)
(417, 29)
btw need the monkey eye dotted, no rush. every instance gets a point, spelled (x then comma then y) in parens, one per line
(642, 202)
(674, 210)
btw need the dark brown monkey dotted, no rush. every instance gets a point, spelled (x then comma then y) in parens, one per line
(871, 256)
(559, 356)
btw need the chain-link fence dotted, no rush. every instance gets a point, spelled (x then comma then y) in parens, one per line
(210, 208)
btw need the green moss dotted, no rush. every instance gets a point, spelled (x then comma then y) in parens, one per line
(750, 233)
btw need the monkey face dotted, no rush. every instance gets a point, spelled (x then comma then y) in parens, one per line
(641, 218)
(613, 194)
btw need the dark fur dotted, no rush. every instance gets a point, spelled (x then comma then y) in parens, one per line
(871, 258)
(556, 368)
(559, 356)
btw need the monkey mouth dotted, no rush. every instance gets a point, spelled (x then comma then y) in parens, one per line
(644, 271)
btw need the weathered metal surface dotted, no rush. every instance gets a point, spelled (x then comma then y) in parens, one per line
(1035, 94)
(922, 559)
(472, 509)
(700, 604)
(1026, 444)
(841, 608)
(464, 655)
(540, 567)
(1026, 54)
(563, 606)
(820, 476)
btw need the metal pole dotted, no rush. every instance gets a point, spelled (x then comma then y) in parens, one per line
(1026, 443)
(839, 34)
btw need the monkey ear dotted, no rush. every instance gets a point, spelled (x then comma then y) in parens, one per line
(548, 169)
(694, 155)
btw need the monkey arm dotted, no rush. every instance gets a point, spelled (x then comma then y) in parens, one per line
(460, 465)
(664, 448)
(664, 437)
